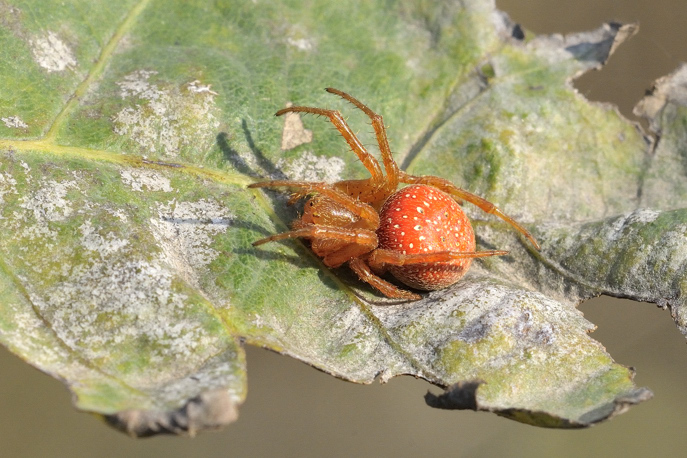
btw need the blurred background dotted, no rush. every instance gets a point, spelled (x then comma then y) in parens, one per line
(293, 410)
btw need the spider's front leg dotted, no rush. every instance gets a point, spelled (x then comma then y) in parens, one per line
(392, 170)
(303, 188)
(339, 122)
(336, 234)
(456, 192)
(355, 242)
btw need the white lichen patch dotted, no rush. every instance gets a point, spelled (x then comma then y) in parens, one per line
(352, 328)
(346, 340)
(28, 337)
(8, 185)
(616, 229)
(49, 202)
(106, 245)
(294, 133)
(107, 310)
(216, 374)
(186, 231)
(198, 88)
(643, 215)
(148, 180)
(27, 170)
(302, 44)
(14, 122)
(166, 119)
(119, 213)
(654, 264)
(136, 84)
(673, 249)
(309, 167)
(297, 37)
(51, 53)
(42, 207)
(494, 325)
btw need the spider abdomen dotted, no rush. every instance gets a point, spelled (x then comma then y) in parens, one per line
(421, 219)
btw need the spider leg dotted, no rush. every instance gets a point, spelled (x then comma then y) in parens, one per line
(349, 252)
(335, 117)
(357, 189)
(359, 241)
(380, 257)
(459, 193)
(392, 170)
(363, 271)
(304, 188)
(313, 231)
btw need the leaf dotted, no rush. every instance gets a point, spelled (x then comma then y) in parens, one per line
(131, 130)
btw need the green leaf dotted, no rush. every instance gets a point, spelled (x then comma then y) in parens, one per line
(130, 132)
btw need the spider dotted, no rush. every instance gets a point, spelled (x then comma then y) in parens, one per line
(419, 233)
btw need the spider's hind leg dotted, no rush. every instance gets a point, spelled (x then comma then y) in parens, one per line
(381, 258)
(458, 193)
(304, 188)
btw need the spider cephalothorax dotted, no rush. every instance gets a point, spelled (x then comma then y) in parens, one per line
(419, 233)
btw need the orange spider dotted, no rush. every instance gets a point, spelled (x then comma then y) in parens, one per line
(419, 233)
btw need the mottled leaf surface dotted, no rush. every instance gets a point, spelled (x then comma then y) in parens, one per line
(129, 134)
